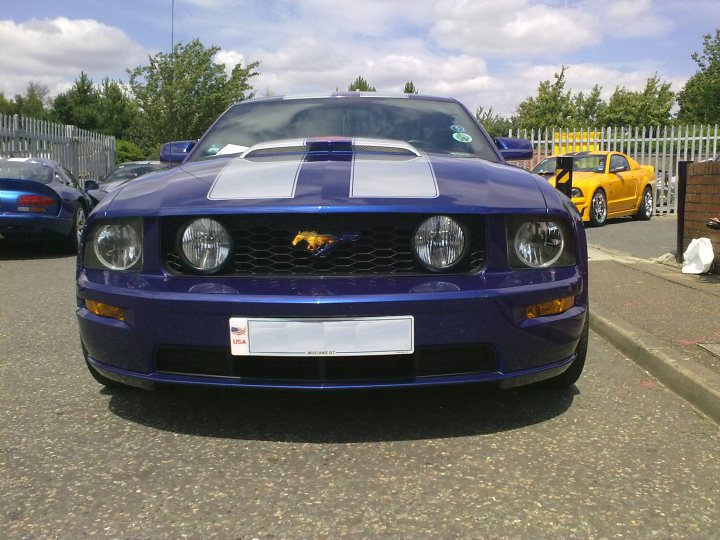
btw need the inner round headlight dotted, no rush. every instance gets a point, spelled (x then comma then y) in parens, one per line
(118, 246)
(539, 243)
(205, 244)
(439, 242)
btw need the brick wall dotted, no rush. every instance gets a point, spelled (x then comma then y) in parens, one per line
(702, 202)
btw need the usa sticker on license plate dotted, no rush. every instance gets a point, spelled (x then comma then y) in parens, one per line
(362, 336)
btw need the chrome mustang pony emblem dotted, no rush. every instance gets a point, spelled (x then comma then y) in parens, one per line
(320, 244)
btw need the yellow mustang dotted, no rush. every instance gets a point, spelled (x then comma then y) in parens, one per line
(606, 185)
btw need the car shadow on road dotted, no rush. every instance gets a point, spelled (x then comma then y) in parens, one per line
(27, 251)
(341, 417)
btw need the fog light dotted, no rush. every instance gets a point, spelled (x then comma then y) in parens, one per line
(551, 307)
(105, 310)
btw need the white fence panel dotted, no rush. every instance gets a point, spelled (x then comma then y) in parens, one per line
(663, 147)
(87, 154)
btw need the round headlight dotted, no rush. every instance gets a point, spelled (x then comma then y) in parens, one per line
(117, 246)
(439, 242)
(539, 243)
(205, 244)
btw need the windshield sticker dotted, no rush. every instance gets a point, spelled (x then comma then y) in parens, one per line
(462, 137)
(457, 129)
(231, 149)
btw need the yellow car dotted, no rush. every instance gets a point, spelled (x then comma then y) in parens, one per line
(606, 185)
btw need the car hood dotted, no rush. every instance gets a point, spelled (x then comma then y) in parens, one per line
(581, 176)
(330, 181)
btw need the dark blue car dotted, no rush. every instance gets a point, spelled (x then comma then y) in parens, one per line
(345, 241)
(41, 200)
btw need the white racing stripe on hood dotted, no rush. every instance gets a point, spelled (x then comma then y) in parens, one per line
(266, 179)
(393, 177)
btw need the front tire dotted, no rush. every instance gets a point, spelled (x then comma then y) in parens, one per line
(102, 379)
(99, 377)
(598, 209)
(73, 238)
(570, 376)
(645, 211)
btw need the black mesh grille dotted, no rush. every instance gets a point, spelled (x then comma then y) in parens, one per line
(425, 362)
(262, 245)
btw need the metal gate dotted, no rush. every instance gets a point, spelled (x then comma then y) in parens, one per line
(87, 154)
(663, 147)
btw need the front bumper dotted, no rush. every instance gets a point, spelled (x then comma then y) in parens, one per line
(467, 328)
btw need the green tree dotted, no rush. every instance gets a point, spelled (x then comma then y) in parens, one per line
(495, 124)
(79, 105)
(551, 108)
(360, 85)
(586, 108)
(128, 151)
(410, 88)
(7, 106)
(699, 99)
(181, 94)
(648, 107)
(32, 103)
(117, 113)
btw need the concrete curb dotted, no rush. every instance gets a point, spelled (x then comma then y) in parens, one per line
(691, 381)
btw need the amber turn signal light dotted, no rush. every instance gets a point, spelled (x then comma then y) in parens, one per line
(105, 310)
(551, 307)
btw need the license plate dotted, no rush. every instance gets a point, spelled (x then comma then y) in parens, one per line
(362, 336)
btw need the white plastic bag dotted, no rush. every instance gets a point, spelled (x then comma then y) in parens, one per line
(698, 256)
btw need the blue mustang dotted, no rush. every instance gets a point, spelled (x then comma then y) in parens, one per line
(346, 241)
(41, 199)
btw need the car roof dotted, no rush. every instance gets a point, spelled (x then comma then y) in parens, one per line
(126, 163)
(37, 161)
(591, 153)
(339, 95)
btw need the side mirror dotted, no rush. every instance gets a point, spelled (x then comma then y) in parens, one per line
(514, 149)
(90, 185)
(175, 152)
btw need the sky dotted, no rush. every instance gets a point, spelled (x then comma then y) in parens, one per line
(486, 53)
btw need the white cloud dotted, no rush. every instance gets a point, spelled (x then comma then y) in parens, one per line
(230, 58)
(55, 51)
(485, 53)
(634, 18)
(513, 28)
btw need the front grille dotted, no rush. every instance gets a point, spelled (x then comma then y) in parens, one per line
(262, 245)
(424, 362)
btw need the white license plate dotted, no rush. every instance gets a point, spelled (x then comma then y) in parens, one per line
(362, 336)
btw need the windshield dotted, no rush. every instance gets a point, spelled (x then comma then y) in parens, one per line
(19, 170)
(593, 163)
(128, 172)
(545, 166)
(431, 126)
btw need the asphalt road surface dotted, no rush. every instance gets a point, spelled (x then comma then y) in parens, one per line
(618, 455)
(642, 239)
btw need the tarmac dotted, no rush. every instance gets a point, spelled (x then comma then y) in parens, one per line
(665, 321)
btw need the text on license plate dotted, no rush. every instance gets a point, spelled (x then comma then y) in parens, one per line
(361, 336)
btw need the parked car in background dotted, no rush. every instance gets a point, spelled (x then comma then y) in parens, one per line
(546, 168)
(41, 199)
(120, 175)
(608, 185)
(346, 241)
